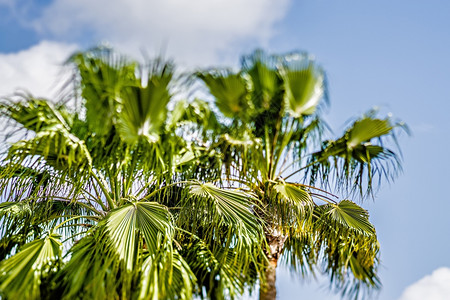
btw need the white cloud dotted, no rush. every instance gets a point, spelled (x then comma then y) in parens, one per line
(34, 70)
(431, 287)
(196, 32)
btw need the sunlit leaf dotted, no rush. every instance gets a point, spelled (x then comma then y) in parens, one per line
(103, 75)
(144, 109)
(296, 197)
(366, 129)
(20, 275)
(230, 90)
(149, 218)
(353, 216)
(304, 84)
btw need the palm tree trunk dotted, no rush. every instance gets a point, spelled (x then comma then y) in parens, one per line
(269, 290)
(275, 241)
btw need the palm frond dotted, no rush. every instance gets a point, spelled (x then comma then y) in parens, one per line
(61, 149)
(155, 282)
(231, 208)
(36, 114)
(144, 108)
(93, 270)
(231, 92)
(103, 74)
(365, 129)
(304, 83)
(352, 216)
(349, 252)
(263, 71)
(294, 204)
(359, 157)
(230, 233)
(218, 272)
(20, 275)
(151, 219)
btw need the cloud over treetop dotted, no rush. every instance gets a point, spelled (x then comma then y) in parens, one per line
(34, 70)
(196, 32)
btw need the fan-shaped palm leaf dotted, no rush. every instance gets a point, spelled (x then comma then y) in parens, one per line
(151, 219)
(231, 92)
(351, 215)
(144, 109)
(36, 114)
(355, 159)
(296, 199)
(155, 282)
(103, 75)
(20, 274)
(229, 207)
(304, 83)
(366, 129)
(263, 71)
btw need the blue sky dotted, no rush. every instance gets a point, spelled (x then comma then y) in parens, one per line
(391, 54)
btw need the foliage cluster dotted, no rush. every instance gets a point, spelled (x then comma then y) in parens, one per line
(118, 190)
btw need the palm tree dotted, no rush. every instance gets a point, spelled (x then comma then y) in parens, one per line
(91, 192)
(108, 193)
(272, 133)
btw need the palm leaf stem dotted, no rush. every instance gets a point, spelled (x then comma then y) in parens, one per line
(102, 186)
(268, 151)
(307, 166)
(293, 163)
(243, 182)
(325, 199)
(116, 187)
(285, 140)
(286, 159)
(99, 201)
(97, 198)
(163, 188)
(113, 185)
(274, 144)
(76, 201)
(70, 219)
(127, 183)
(90, 206)
(314, 188)
(74, 235)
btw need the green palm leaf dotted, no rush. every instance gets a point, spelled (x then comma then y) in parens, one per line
(103, 75)
(231, 208)
(61, 149)
(20, 274)
(53, 140)
(230, 91)
(36, 114)
(359, 156)
(366, 129)
(304, 83)
(92, 271)
(263, 71)
(216, 269)
(295, 197)
(156, 284)
(151, 219)
(352, 216)
(223, 219)
(144, 109)
(15, 209)
(11, 215)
